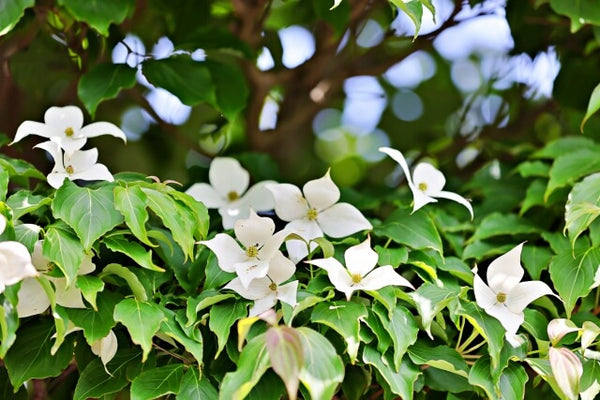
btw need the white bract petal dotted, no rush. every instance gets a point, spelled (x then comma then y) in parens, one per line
(558, 328)
(2, 223)
(15, 264)
(228, 178)
(426, 182)
(290, 205)
(227, 250)
(65, 296)
(64, 126)
(32, 299)
(360, 273)
(506, 297)
(321, 193)
(254, 231)
(567, 370)
(106, 348)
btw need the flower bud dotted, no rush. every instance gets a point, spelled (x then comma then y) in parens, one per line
(558, 328)
(567, 370)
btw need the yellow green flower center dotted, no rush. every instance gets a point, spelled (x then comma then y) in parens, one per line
(69, 169)
(501, 297)
(422, 186)
(69, 132)
(252, 252)
(312, 214)
(356, 278)
(233, 195)
(273, 286)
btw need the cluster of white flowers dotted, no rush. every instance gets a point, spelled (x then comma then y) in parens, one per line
(63, 126)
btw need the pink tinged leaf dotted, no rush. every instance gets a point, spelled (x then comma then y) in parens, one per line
(399, 158)
(524, 293)
(227, 250)
(102, 128)
(228, 177)
(361, 259)
(321, 193)
(589, 333)
(287, 356)
(382, 277)
(206, 194)
(254, 231)
(558, 328)
(505, 272)
(341, 220)
(290, 205)
(457, 198)
(567, 370)
(428, 179)
(32, 298)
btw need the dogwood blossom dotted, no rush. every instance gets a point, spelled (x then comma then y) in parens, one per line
(506, 296)
(267, 290)
(79, 164)
(360, 272)
(15, 261)
(426, 182)
(32, 297)
(228, 191)
(106, 348)
(259, 251)
(315, 213)
(64, 126)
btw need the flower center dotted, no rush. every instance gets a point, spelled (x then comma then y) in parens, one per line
(233, 195)
(69, 132)
(273, 286)
(422, 186)
(356, 278)
(501, 297)
(252, 252)
(69, 169)
(312, 214)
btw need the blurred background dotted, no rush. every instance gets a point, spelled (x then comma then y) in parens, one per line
(296, 88)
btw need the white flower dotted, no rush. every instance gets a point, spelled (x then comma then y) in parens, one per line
(506, 296)
(64, 125)
(227, 191)
(80, 164)
(32, 297)
(259, 253)
(267, 290)
(315, 213)
(426, 182)
(106, 348)
(360, 272)
(15, 264)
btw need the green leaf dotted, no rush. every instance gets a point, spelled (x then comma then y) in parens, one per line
(287, 356)
(20, 169)
(535, 260)
(589, 386)
(497, 224)
(102, 82)
(198, 211)
(393, 257)
(131, 202)
(141, 319)
(401, 326)
(6, 389)
(64, 249)
(402, 380)
(4, 178)
(510, 385)
(137, 288)
(415, 230)
(565, 145)
(573, 274)
(442, 357)
(579, 11)
(252, 364)
(343, 317)
(28, 234)
(157, 382)
(30, 357)
(323, 369)
(90, 286)
(99, 14)
(357, 380)
(194, 385)
(9, 319)
(24, 202)
(133, 250)
(187, 79)
(593, 105)
(95, 382)
(530, 169)
(189, 337)
(206, 299)
(413, 9)
(583, 206)
(221, 319)
(569, 167)
(231, 90)
(175, 216)
(90, 212)
(430, 299)
(11, 12)
(95, 324)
